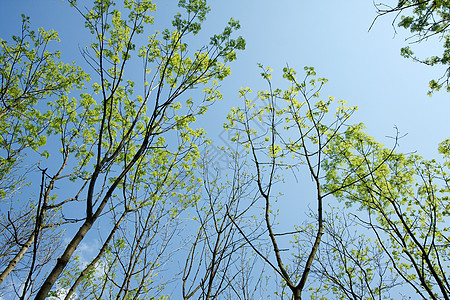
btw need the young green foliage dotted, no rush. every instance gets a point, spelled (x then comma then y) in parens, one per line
(425, 20)
(120, 152)
(30, 73)
(405, 201)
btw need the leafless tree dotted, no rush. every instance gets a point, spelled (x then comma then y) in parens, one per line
(219, 263)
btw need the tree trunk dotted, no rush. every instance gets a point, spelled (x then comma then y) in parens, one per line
(12, 264)
(297, 294)
(63, 260)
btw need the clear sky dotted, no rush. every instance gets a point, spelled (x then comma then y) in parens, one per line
(363, 67)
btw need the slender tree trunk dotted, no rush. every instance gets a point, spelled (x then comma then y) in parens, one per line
(64, 259)
(12, 264)
(96, 259)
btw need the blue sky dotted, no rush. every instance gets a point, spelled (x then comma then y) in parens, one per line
(365, 68)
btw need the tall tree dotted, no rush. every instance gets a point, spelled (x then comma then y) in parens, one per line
(119, 150)
(30, 74)
(404, 203)
(290, 131)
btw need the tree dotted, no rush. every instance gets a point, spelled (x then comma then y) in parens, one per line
(399, 245)
(219, 263)
(404, 203)
(349, 264)
(425, 20)
(291, 131)
(122, 154)
(29, 74)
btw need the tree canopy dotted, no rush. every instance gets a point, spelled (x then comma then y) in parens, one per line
(107, 154)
